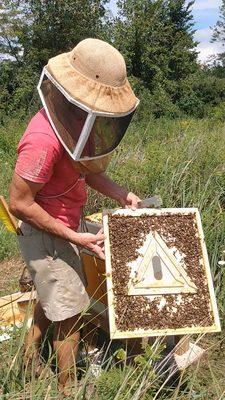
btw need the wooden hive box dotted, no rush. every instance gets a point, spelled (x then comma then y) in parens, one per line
(95, 272)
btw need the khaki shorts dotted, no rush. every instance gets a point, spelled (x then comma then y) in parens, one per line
(55, 267)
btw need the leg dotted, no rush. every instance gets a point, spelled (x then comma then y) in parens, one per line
(37, 332)
(89, 335)
(65, 343)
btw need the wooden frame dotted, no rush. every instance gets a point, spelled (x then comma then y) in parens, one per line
(114, 332)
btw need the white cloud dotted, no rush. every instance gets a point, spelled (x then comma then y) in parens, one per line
(205, 48)
(208, 49)
(203, 35)
(207, 4)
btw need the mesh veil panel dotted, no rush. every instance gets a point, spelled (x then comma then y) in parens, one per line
(106, 134)
(67, 118)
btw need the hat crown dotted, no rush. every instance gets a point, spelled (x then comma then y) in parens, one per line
(99, 61)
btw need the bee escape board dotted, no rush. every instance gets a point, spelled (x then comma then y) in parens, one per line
(158, 275)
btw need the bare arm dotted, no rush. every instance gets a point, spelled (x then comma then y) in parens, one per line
(103, 184)
(23, 206)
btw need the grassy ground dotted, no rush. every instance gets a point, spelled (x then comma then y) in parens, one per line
(120, 379)
(184, 162)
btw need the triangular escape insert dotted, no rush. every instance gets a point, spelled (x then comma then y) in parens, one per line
(159, 272)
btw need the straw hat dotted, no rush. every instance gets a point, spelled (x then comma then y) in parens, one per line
(94, 73)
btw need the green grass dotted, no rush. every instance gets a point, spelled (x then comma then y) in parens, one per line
(120, 379)
(184, 162)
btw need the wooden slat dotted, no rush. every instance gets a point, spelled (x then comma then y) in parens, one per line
(112, 325)
(208, 272)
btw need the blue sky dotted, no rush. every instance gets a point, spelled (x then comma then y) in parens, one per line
(206, 14)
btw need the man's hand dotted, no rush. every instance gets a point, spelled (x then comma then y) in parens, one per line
(94, 243)
(130, 201)
(24, 207)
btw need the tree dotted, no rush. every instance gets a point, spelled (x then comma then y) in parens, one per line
(10, 20)
(183, 56)
(219, 29)
(32, 31)
(218, 62)
(156, 38)
(56, 26)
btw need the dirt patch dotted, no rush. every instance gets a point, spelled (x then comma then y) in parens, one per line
(127, 235)
(10, 273)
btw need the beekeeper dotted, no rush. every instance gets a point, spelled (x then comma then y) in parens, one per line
(88, 105)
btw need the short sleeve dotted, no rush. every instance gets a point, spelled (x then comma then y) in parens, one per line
(37, 154)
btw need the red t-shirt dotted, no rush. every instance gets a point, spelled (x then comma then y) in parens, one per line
(43, 159)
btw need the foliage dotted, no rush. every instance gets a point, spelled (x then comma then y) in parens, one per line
(200, 93)
(219, 29)
(217, 62)
(218, 112)
(10, 24)
(155, 104)
(155, 37)
(56, 26)
(158, 39)
(32, 31)
(216, 65)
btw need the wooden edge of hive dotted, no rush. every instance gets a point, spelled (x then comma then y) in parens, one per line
(206, 266)
(116, 334)
(110, 296)
(149, 211)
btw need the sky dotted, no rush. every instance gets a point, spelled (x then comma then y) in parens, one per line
(206, 14)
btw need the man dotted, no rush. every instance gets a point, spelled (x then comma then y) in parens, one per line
(88, 105)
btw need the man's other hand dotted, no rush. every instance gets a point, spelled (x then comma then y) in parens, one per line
(94, 243)
(130, 201)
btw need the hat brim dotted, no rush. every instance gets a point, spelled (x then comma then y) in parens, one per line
(95, 95)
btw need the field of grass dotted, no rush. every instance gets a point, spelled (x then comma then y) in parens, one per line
(147, 376)
(184, 162)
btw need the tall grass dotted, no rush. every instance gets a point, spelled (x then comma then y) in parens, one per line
(146, 376)
(183, 161)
